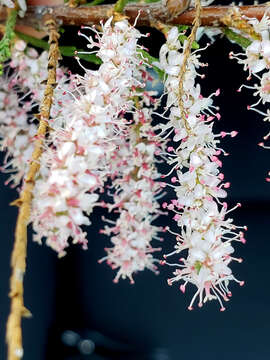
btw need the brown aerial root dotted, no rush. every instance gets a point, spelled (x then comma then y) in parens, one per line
(18, 259)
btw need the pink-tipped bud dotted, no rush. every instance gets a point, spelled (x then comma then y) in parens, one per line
(221, 176)
(234, 133)
(243, 240)
(169, 148)
(174, 179)
(183, 288)
(227, 185)
(242, 283)
(223, 134)
(218, 116)
(261, 144)
(190, 308)
(164, 205)
(222, 309)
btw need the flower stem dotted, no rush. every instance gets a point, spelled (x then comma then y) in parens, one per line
(18, 260)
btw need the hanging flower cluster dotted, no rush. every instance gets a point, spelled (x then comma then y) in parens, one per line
(205, 236)
(256, 60)
(21, 91)
(102, 137)
(136, 190)
(77, 161)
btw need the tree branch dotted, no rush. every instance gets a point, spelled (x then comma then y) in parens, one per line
(149, 13)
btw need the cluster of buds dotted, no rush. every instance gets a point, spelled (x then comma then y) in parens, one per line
(205, 235)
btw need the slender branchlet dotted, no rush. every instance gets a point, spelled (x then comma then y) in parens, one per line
(18, 260)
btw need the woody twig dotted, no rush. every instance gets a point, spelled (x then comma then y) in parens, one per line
(210, 16)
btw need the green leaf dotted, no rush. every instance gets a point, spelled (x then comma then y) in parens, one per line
(194, 45)
(71, 51)
(94, 2)
(150, 59)
(182, 28)
(65, 50)
(6, 40)
(33, 41)
(150, 1)
(119, 5)
(233, 36)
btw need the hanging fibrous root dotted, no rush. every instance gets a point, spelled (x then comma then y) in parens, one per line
(18, 260)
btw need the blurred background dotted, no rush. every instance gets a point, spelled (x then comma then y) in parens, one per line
(79, 313)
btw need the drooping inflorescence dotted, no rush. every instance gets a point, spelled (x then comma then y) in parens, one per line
(78, 160)
(135, 190)
(256, 61)
(205, 234)
(21, 92)
(102, 137)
